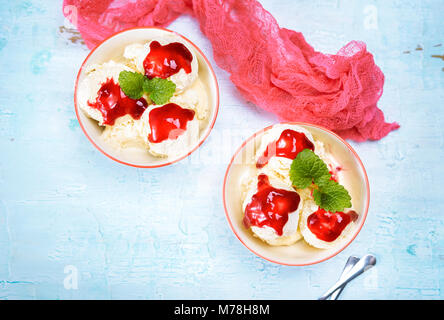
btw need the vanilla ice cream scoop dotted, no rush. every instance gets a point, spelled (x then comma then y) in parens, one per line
(271, 209)
(169, 130)
(123, 134)
(278, 148)
(322, 229)
(196, 98)
(167, 58)
(96, 76)
(280, 145)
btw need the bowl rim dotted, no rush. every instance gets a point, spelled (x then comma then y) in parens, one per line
(211, 125)
(346, 244)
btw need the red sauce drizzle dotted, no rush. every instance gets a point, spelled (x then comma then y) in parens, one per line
(289, 144)
(334, 172)
(328, 226)
(168, 122)
(270, 206)
(113, 103)
(164, 61)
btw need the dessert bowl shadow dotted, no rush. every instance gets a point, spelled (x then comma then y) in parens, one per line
(299, 254)
(112, 49)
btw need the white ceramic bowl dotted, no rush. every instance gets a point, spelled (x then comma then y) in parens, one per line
(300, 253)
(113, 47)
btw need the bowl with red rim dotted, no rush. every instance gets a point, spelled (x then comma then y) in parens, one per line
(242, 165)
(112, 49)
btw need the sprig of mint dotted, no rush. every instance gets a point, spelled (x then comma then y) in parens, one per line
(135, 84)
(160, 90)
(331, 196)
(308, 169)
(131, 84)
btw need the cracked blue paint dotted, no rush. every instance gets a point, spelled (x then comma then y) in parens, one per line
(40, 61)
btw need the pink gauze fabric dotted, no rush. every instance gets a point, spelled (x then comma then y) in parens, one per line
(273, 67)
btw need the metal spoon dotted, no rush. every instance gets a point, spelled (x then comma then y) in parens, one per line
(365, 263)
(351, 261)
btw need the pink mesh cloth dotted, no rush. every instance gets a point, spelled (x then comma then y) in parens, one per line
(273, 67)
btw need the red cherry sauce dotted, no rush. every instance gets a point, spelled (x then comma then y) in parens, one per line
(334, 172)
(164, 61)
(113, 103)
(327, 226)
(289, 144)
(168, 122)
(270, 206)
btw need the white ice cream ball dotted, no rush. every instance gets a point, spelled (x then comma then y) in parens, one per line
(123, 134)
(291, 232)
(279, 167)
(136, 54)
(96, 76)
(309, 208)
(169, 147)
(274, 133)
(196, 97)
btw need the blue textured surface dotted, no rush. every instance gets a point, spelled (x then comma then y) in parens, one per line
(162, 233)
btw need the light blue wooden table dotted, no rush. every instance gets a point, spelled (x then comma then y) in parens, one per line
(64, 207)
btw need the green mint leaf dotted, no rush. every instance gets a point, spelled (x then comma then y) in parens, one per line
(306, 168)
(331, 196)
(160, 90)
(131, 84)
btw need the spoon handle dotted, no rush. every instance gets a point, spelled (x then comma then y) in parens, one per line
(351, 261)
(365, 263)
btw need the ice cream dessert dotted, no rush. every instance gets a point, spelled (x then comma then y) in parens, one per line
(169, 129)
(101, 98)
(271, 209)
(281, 144)
(294, 193)
(324, 229)
(164, 58)
(149, 96)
